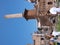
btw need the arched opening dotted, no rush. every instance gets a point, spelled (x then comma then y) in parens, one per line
(49, 3)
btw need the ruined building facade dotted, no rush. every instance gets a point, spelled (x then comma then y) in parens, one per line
(45, 20)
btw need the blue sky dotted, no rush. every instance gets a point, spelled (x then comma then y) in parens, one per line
(16, 31)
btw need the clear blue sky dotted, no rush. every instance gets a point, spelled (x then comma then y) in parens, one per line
(16, 31)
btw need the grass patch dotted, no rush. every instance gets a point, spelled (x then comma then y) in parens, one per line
(58, 24)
